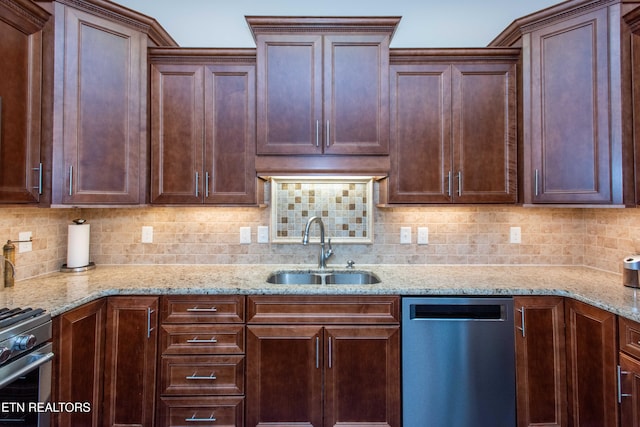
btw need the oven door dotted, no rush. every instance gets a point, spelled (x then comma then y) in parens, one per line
(25, 384)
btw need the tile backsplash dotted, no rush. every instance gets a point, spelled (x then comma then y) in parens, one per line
(344, 206)
(210, 235)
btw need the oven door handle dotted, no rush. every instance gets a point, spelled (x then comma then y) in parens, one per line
(44, 358)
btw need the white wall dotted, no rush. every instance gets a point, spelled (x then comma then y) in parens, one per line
(425, 23)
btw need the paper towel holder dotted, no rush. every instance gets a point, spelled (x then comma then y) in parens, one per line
(90, 266)
(65, 269)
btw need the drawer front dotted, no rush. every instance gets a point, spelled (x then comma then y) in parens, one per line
(323, 309)
(629, 336)
(202, 339)
(203, 309)
(202, 375)
(202, 411)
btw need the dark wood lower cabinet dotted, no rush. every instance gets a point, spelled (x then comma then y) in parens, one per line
(629, 391)
(540, 361)
(130, 361)
(79, 362)
(591, 365)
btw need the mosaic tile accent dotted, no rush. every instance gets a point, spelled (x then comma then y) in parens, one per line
(344, 206)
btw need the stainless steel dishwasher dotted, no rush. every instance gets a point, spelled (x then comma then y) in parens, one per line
(458, 362)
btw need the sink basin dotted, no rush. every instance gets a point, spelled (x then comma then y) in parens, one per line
(294, 277)
(329, 277)
(352, 278)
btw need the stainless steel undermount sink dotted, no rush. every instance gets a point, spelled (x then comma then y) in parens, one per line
(329, 277)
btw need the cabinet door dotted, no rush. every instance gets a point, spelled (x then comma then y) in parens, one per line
(79, 349)
(289, 94)
(177, 133)
(103, 123)
(629, 391)
(591, 365)
(484, 133)
(229, 170)
(130, 361)
(356, 94)
(284, 375)
(20, 117)
(540, 361)
(421, 134)
(566, 104)
(362, 379)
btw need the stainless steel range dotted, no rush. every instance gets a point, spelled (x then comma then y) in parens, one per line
(25, 367)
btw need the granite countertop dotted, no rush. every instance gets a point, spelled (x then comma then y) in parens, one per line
(60, 292)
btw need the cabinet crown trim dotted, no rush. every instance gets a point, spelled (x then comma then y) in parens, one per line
(322, 24)
(24, 15)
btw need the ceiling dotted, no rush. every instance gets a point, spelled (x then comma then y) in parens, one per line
(425, 23)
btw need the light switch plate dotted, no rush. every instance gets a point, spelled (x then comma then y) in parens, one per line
(147, 234)
(405, 235)
(24, 246)
(423, 235)
(515, 235)
(245, 235)
(263, 234)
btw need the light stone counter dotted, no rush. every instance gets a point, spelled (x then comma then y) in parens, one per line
(60, 292)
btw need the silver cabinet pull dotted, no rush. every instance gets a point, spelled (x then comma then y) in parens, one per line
(206, 184)
(521, 328)
(620, 393)
(200, 310)
(71, 180)
(194, 419)
(197, 183)
(39, 170)
(536, 181)
(317, 133)
(449, 178)
(328, 133)
(459, 183)
(195, 376)
(149, 328)
(196, 340)
(317, 352)
(330, 355)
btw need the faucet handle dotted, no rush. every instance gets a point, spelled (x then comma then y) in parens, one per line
(330, 250)
(350, 263)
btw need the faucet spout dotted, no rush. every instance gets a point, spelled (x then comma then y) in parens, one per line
(324, 254)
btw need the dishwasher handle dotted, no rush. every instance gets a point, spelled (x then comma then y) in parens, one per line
(479, 312)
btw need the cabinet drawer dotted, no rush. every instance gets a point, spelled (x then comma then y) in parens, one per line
(203, 309)
(202, 375)
(629, 336)
(323, 309)
(200, 411)
(202, 339)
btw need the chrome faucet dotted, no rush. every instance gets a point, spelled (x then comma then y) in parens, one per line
(324, 255)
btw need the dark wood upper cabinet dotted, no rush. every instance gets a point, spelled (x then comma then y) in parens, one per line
(203, 126)
(21, 48)
(453, 126)
(322, 85)
(576, 103)
(99, 103)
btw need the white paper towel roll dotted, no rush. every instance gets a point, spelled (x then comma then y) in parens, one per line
(78, 246)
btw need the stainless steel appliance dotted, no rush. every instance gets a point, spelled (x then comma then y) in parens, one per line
(25, 367)
(631, 271)
(458, 362)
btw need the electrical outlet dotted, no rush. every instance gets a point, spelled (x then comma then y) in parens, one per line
(263, 234)
(24, 246)
(405, 235)
(245, 235)
(423, 235)
(515, 235)
(147, 234)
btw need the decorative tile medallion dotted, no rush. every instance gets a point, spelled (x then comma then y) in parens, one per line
(344, 204)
